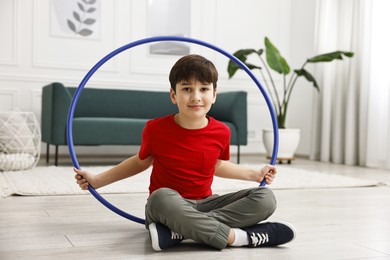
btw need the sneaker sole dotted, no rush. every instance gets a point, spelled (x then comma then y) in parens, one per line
(154, 237)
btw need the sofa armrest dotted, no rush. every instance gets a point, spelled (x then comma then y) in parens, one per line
(56, 100)
(232, 107)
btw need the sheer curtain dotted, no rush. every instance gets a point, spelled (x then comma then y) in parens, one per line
(378, 133)
(352, 114)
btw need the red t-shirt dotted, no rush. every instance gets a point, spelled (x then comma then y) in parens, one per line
(184, 159)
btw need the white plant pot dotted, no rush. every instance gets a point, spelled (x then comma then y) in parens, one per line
(288, 142)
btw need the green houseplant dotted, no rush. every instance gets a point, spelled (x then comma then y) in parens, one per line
(280, 95)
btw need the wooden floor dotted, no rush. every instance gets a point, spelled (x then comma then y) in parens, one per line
(348, 223)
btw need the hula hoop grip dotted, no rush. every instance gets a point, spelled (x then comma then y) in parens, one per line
(78, 91)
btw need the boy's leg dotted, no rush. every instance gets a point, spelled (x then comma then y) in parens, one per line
(167, 207)
(208, 221)
(242, 208)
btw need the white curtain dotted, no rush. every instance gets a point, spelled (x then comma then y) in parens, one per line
(378, 133)
(352, 114)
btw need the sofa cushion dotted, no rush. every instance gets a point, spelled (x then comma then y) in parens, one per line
(119, 103)
(127, 131)
(99, 130)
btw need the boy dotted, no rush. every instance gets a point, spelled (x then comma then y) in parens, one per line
(186, 150)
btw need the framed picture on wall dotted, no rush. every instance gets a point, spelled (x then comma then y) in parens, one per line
(169, 18)
(75, 18)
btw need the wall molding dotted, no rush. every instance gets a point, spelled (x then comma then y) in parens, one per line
(75, 81)
(79, 63)
(36, 102)
(11, 95)
(13, 60)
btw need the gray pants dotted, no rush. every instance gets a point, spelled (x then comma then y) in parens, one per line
(208, 221)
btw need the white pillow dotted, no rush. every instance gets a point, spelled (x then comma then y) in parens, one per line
(16, 161)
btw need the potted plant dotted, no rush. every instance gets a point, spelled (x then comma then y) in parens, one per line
(280, 94)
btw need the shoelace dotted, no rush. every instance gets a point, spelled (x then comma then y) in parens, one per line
(259, 238)
(175, 235)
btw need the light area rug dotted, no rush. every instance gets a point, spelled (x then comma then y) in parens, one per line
(54, 180)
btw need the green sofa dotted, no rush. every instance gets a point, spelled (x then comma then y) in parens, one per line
(117, 117)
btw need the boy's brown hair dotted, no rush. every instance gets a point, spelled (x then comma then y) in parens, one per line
(192, 67)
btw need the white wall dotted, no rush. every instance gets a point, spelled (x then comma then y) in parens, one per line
(302, 42)
(31, 56)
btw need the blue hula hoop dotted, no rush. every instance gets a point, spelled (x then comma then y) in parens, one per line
(78, 91)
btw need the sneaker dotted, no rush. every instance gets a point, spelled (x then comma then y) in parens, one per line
(162, 237)
(270, 234)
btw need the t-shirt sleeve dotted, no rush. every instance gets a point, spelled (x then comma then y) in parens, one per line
(225, 154)
(146, 150)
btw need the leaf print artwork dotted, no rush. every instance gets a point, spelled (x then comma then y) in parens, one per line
(82, 18)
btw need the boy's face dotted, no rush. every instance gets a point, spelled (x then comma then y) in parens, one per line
(193, 98)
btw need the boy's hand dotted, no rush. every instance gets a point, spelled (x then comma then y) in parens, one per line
(84, 179)
(268, 173)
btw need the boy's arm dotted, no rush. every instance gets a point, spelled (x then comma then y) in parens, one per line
(125, 169)
(226, 169)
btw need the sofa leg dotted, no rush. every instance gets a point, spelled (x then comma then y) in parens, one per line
(238, 154)
(47, 152)
(56, 156)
